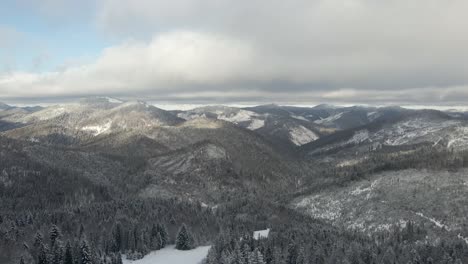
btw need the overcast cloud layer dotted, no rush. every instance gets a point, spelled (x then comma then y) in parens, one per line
(338, 51)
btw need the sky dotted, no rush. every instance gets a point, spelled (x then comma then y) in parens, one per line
(398, 52)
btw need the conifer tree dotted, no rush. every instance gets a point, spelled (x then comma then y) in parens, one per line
(85, 253)
(42, 255)
(161, 229)
(256, 257)
(119, 259)
(117, 238)
(38, 239)
(57, 253)
(54, 234)
(184, 240)
(68, 257)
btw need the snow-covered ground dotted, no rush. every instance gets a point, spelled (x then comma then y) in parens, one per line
(170, 255)
(98, 129)
(300, 135)
(329, 120)
(256, 124)
(261, 234)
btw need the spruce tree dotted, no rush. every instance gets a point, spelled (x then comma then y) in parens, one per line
(161, 229)
(42, 255)
(256, 257)
(85, 253)
(57, 253)
(68, 257)
(184, 240)
(54, 234)
(119, 259)
(117, 238)
(245, 253)
(38, 239)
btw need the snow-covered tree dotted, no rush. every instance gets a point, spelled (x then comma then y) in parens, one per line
(161, 229)
(68, 256)
(256, 257)
(54, 234)
(57, 253)
(184, 239)
(42, 255)
(38, 239)
(85, 253)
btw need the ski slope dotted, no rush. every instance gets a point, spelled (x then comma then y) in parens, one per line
(170, 255)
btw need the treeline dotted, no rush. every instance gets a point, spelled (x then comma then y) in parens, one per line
(131, 227)
(307, 244)
(52, 249)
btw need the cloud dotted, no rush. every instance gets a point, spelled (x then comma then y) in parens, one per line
(171, 61)
(317, 50)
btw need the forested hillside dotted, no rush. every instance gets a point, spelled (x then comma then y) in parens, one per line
(98, 180)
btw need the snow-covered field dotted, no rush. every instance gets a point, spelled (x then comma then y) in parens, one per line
(170, 255)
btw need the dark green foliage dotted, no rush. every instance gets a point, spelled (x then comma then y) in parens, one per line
(54, 234)
(68, 257)
(42, 255)
(184, 239)
(85, 253)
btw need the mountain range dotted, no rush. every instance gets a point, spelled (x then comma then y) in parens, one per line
(360, 168)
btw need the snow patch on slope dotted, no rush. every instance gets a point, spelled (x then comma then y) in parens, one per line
(413, 130)
(300, 135)
(434, 221)
(98, 129)
(329, 119)
(358, 137)
(170, 255)
(239, 116)
(214, 152)
(299, 118)
(256, 124)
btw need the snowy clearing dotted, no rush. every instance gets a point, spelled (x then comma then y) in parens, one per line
(98, 129)
(170, 255)
(261, 234)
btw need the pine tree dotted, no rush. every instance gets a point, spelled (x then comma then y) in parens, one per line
(245, 253)
(256, 257)
(226, 257)
(292, 254)
(212, 256)
(85, 253)
(184, 240)
(237, 255)
(68, 257)
(54, 234)
(117, 238)
(276, 259)
(57, 253)
(38, 239)
(119, 259)
(42, 255)
(163, 234)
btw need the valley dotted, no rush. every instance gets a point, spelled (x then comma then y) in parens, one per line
(107, 171)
